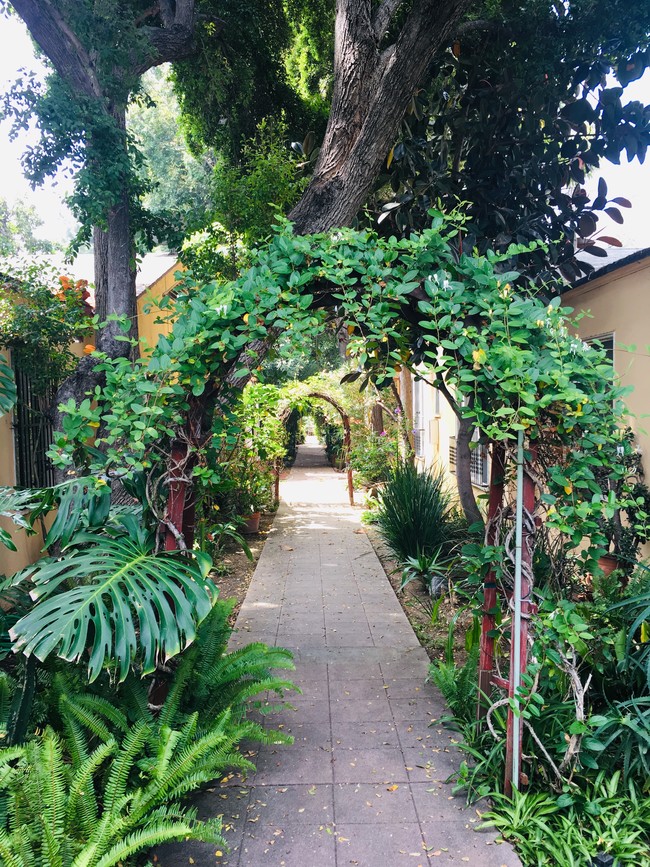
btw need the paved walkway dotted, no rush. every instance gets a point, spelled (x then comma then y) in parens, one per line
(363, 783)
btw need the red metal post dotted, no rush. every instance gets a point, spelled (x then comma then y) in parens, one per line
(495, 503)
(527, 608)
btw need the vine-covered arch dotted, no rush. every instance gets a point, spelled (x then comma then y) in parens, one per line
(504, 358)
(297, 404)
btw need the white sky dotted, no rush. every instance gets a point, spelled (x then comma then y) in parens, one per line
(16, 52)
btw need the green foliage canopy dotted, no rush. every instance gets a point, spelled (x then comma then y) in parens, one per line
(510, 359)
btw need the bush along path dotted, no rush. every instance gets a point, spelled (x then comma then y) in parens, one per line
(363, 782)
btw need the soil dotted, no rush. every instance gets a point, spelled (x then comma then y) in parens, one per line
(236, 570)
(417, 605)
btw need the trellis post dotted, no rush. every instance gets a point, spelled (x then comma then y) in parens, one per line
(486, 662)
(522, 610)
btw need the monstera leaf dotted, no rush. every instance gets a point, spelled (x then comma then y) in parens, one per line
(7, 387)
(22, 507)
(116, 600)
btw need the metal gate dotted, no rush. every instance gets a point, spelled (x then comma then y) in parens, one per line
(32, 432)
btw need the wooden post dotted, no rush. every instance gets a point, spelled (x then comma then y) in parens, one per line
(527, 609)
(347, 447)
(495, 504)
(176, 496)
(276, 490)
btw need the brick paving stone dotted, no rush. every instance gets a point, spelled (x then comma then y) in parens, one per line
(363, 784)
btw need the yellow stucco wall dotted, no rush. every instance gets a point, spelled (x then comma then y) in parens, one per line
(619, 303)
(150, 316)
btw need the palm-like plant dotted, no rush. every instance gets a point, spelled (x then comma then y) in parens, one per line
(112, 596)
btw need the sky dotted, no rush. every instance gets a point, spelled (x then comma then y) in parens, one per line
(632, 181)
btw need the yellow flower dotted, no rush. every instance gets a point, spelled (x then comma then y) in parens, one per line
(94, 424)
(568, 489)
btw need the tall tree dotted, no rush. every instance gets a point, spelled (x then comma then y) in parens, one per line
(531, 98)
(99, 51)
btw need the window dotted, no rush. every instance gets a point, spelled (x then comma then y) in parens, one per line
(32, 433)
(479, 461)
(604, 342)
(418, 424)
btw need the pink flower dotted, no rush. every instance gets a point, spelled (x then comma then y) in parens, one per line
(383, 433)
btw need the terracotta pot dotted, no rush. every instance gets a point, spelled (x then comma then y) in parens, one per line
(252, 523)
(608, 562)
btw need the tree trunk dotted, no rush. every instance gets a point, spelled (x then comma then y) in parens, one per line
(464, 472)
(372, 90)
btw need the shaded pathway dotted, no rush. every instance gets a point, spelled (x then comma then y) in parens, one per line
(363, 783)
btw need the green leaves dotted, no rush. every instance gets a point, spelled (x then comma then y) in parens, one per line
(115, 600)
(7, 388)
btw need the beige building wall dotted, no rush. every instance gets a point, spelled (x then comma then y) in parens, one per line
(618, 303)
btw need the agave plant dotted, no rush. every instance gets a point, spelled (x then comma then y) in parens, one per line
(110, 595)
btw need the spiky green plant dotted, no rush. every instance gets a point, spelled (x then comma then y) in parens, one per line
(416, 513)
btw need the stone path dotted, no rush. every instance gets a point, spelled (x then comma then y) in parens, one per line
(363, 783)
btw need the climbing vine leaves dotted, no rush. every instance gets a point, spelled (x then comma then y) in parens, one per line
(504, 357)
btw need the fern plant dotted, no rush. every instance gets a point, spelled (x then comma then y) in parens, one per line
(100, 807)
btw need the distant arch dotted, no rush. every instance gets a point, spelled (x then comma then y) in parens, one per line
(347, 434)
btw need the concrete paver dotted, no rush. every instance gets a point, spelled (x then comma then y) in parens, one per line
(363, 784)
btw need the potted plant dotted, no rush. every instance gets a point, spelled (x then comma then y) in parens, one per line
(251, 482)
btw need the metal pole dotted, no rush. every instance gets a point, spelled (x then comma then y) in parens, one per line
(516, 614)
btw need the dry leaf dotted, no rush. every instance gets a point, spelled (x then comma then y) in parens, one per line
(392, 788)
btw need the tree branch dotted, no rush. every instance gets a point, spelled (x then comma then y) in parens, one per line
(61, 44)
(184, 16)
(383, 16)
(472, 26)
(166, 45)
(167, 12)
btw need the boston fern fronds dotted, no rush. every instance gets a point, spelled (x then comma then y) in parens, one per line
(107, 809)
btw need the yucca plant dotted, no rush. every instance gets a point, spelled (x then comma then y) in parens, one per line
(109, 595)
(416, 513)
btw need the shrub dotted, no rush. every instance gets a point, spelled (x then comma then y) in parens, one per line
(372, 458)
(416, 513)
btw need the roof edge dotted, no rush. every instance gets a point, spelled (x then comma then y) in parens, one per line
(608, 268)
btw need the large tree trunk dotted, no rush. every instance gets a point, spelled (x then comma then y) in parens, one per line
(372, 89)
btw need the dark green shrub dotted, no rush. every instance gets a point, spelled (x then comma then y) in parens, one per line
(373, 457)
(416, 513)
